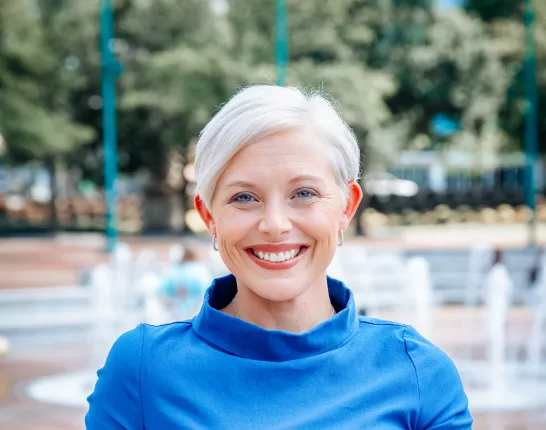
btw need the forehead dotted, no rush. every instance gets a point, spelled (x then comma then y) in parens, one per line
(281, 156)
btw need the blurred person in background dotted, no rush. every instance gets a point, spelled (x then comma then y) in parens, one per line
(277, 343)
(184, 285)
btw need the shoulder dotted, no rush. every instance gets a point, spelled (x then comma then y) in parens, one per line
(153, 334)
(440, 393)
(124, 360)
(367, 322)
(443, 401)
(386, 341)
(424, 356)
(408, 338)
(116, 399)
(161, 341)
(420, 349)
(127, 348)
(131, 345)
(127, 354)
(434, 370)
(384, 330)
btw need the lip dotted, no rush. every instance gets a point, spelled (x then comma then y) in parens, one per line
(278, 266)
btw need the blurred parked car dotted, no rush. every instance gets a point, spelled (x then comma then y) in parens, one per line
(385, 184)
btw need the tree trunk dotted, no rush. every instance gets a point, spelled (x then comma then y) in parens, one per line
(359, 228)
(176, 215)
(187, 206)
(53, 218)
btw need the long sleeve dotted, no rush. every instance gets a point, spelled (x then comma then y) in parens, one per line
(443, 402)
(116, 401)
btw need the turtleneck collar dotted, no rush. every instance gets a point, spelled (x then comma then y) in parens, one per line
(243, 339)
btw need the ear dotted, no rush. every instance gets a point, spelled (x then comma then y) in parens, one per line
(354, 197)
(205, 214)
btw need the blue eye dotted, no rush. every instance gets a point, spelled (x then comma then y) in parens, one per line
(243, 198)
(305, 194)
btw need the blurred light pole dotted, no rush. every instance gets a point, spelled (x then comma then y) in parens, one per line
(531, 121)
(110, 70)
(281, 41)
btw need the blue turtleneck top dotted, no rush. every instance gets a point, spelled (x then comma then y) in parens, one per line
(219, 372)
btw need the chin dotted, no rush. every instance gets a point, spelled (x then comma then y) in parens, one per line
(279, 289)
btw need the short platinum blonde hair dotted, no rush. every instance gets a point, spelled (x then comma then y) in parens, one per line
(261, 110)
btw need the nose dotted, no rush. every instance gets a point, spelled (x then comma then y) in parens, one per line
(275, 222)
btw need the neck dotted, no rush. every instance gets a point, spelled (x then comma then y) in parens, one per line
(298, 315)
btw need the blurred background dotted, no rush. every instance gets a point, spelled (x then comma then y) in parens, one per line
(101, 103)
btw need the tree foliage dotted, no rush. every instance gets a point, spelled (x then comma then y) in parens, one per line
(35, 113)
(505, 24)
(391, 65)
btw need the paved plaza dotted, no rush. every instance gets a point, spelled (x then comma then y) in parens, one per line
(30, 370)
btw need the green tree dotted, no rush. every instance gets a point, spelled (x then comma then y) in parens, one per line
(459, 73)
(506, 29)
(177, 74)
(490, 10)
(34, 111)
(35, 114)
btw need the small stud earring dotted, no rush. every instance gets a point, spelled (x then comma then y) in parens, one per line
(340, 238)
(215, 243)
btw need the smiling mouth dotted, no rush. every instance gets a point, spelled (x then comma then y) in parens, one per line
(278, 257)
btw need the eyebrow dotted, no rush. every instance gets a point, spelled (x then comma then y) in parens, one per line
(240, 184)
(306, 177)
(249, 185)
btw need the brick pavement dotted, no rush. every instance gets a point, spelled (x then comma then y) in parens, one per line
(49, 262)
(44, 262)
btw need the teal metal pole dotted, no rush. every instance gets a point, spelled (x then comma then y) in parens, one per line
(531, 117)
(110, 70)
(281, 41)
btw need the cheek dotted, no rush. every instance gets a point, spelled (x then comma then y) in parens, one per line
(321, 221)
(233, 224)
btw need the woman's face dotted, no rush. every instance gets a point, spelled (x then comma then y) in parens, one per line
(277, 211)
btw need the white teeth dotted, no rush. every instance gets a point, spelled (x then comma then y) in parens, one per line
(277, 256)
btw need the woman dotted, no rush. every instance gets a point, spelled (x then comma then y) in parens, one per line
(277, 344)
